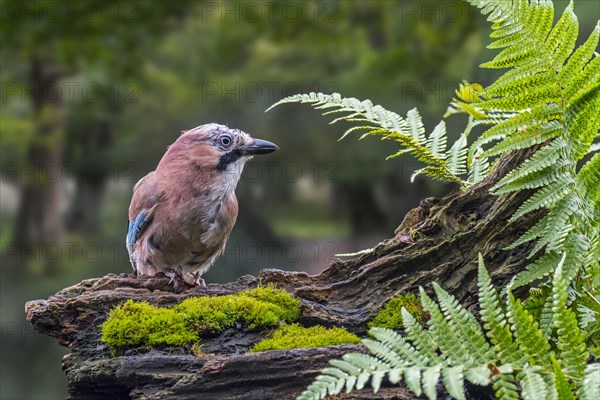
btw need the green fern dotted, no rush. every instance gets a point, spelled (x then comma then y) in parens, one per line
(441, 163)
(553, 93)
(510, 353)
(548, 98)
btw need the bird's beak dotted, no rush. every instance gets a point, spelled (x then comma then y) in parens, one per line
(259, 147)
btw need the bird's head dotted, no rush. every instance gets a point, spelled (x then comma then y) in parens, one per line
(215, 149)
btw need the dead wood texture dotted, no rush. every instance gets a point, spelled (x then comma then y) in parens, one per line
(437, 241)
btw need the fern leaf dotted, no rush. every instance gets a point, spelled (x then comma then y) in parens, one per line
(571, 343)
(563, 390)
(527, 138)
(447, 339)
(399, 346)
(429, 381)
(412, 378)
(558, 224)
(542, 267)
(385, 353)
(457, 157)
(421, 152)
(523, 82)
(590, 390)
(546, 318)
(479, 168)
(581, 57)
(453, 381)
(533, 385)
(465, 325)
(561, 40)
(436, 143)
(505, 388)
(589, 179)
(493, 316)
(528, 120)
(534, 180)
(420, 338)
(376, 380)
(583, 120)
(581, 79)
(415, 126)
(479, 375)
(541, 159)
(544, 197)
(527, 334)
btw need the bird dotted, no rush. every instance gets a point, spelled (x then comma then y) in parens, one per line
(181, 214)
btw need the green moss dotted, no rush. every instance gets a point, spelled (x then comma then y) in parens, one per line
(296, 336)
(141, 324)
(391, 316)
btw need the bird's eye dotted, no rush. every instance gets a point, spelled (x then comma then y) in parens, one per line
(225, 141)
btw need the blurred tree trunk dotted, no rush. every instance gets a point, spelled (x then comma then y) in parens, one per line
(365, 214)
(38, 219)
(92, 176)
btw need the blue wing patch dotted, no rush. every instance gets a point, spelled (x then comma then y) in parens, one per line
(136, 226)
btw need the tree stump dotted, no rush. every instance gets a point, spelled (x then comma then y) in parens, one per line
(437, 242)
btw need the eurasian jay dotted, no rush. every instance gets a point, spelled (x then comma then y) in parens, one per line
(181, 214)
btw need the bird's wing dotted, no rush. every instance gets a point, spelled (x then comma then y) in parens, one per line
(143, 203)
(135, 227)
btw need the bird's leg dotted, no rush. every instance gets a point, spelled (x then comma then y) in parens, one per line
(175, 278)
(199, 281)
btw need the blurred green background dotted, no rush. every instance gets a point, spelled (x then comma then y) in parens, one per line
(94, 91)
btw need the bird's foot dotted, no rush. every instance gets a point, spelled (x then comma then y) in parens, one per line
(199, 282)
(175, 278)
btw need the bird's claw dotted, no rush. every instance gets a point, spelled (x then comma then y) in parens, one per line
(175, 279)
(199, 282)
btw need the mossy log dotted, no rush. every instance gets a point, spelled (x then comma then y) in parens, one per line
(437, 241)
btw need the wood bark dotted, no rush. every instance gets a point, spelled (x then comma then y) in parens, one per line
(437, 242)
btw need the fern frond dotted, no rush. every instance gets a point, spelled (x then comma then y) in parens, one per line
(539, 305)
(553, 89)
(527, 334)
(527, 138)
(583, 120)
(541, 159)
(533, 180)
(479, 167)
(533, 385)
(505, 388)
(545, 197)
(591, 383)
(561, 385)
(454, 348)
(429, 381)
(465, 325)
(457, 156)
(399, 346)
(493, 316)
(453, 381)
(448, 341)
(570, 341)
(436, 142)
(409, 132)
(415, 126)
(589, 180)
(420, 338)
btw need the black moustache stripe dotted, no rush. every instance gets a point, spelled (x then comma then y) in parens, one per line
(228, 158)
